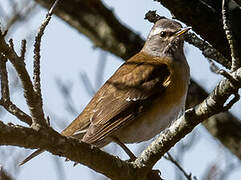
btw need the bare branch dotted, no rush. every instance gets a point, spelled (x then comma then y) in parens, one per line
(23, 49)
(4, 79)
(171, 159)
(51, 10)
(32, 92)
(14, 110)
(5, 99)
(229, 35)
(207, 50)
(36, 77)
(71, 148)
(31, 98)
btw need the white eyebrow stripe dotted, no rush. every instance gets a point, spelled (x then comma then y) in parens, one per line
(156, 31)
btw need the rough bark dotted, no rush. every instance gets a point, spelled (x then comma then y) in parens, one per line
(68, 147)
(224, 126)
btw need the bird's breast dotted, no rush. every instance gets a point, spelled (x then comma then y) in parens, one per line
(159, 115)
(152, 122)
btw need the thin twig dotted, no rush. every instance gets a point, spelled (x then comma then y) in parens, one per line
(29, 94)
(5, 99)
(207, 50)
(4, 78)
(37, 44)
(23, 49)
(52, 8)
(229, 35)
(14, 110)
(182, 148)
(170, 158)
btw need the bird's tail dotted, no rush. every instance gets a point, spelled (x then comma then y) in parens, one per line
(31, 156)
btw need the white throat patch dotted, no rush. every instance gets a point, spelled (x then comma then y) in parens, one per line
(156, 31)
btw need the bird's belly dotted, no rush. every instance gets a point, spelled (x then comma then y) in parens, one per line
(152, 122)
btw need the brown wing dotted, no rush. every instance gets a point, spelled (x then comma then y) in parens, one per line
(118, 102)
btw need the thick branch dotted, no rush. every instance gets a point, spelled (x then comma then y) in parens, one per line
(19, 65)
(70, 148)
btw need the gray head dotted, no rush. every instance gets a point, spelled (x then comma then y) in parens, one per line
(165, 38)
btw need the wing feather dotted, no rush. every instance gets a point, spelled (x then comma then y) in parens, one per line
(126, 95)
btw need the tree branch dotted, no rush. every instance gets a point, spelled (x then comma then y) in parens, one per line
(207, 50)
(70, 148)
(229, 34)
(29, 94)
(5, 99)
(171, 159)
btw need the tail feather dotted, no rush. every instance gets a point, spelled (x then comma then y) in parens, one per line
(31, 156)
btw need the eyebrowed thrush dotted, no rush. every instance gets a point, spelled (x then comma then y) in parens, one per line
(142, 97)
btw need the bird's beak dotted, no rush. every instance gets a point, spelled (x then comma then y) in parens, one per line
(182, 31)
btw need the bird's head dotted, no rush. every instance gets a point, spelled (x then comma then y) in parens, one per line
(165, 38)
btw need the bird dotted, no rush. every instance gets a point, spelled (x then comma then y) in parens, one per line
(142, 98)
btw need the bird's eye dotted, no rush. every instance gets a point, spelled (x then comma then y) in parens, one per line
(163, 33)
